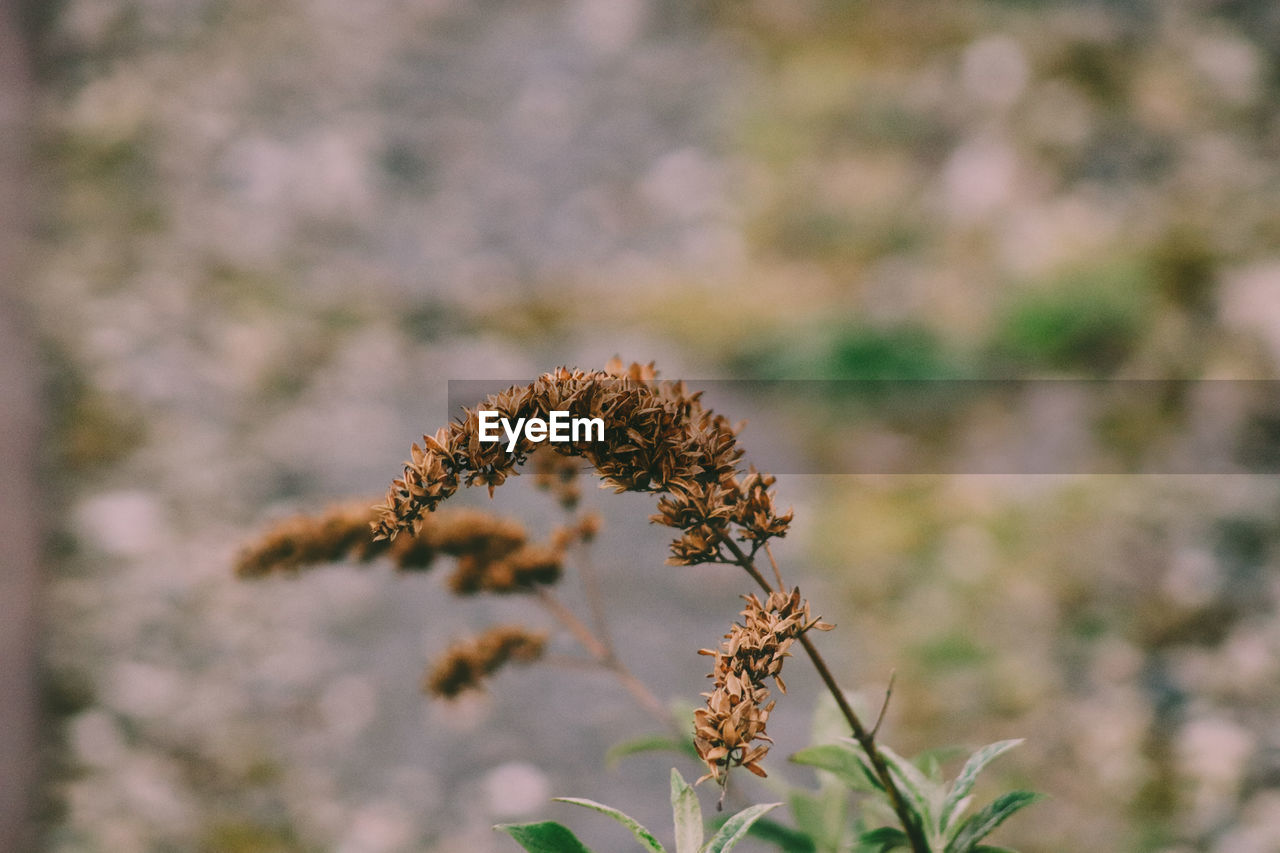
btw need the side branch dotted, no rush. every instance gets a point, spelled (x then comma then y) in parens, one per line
(603, 656)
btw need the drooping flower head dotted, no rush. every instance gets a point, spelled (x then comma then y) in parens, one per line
(658, 437)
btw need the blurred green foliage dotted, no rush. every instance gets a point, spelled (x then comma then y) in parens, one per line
(1088, 321)
(850, 350)
(89, 429)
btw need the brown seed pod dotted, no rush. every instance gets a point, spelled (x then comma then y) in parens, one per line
(466, 663)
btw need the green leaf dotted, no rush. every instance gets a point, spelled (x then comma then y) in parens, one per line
(736, 828)
(829, 724)
(981, 824)
(991, 848)
(821, 814)
(648, 743)
(952, 807)
(787, 839)
(846, 760)
(688, 815)
(922, 795)
(644, 836)
(931, 760)
(545, 837)
(885, 838)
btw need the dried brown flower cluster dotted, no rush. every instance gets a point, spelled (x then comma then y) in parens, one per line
(493, 554)
(465, 664)
(516, 571)
(583, 529)
(736, 713)
(340, 533)
(658, 438)
(558, 474)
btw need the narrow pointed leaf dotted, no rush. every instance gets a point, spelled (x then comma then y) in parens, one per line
(784, 837)
(951, 808)
(981, 824)
(991, 848)
(829, 724)
(648, 743)
(929, 766)
(950, 821)
(931, 760)
(821, 814)
(688, 815)
(847, 761)
(885, 838)
(644, 836)
(922, 795)
(736, 828)
(545, 837)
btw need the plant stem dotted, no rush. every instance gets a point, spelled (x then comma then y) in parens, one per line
(772, 562)
(602, 656)
(865, 739)
(595, 598)
(884, 706)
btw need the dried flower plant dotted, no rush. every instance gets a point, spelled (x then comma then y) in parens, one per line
(736, 712)
(493, 555)
(658, 438)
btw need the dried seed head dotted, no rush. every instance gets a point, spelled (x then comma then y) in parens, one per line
(589, 524)
(558, 474)
(583, 529)
(493, 552)
(737, 712)
(466, 663)
(492, 556)
(469, 532)
(309, 540)
(515, 571)
(658, 438)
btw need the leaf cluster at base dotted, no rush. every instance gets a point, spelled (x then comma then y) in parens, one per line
(552, 837)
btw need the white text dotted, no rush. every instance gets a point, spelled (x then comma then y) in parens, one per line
(561, 427)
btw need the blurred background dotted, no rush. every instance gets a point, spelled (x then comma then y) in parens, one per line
(245, 246)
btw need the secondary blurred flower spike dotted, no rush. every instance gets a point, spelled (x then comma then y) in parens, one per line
(465, 664)
(493, 553)
(558, 474)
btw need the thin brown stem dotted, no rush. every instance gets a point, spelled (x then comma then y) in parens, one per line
(884, 706)
(742, 560)
(595, 597)
(590, 643)
(605, 658)
(865, 738)
(772, 562)
(570, 662)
